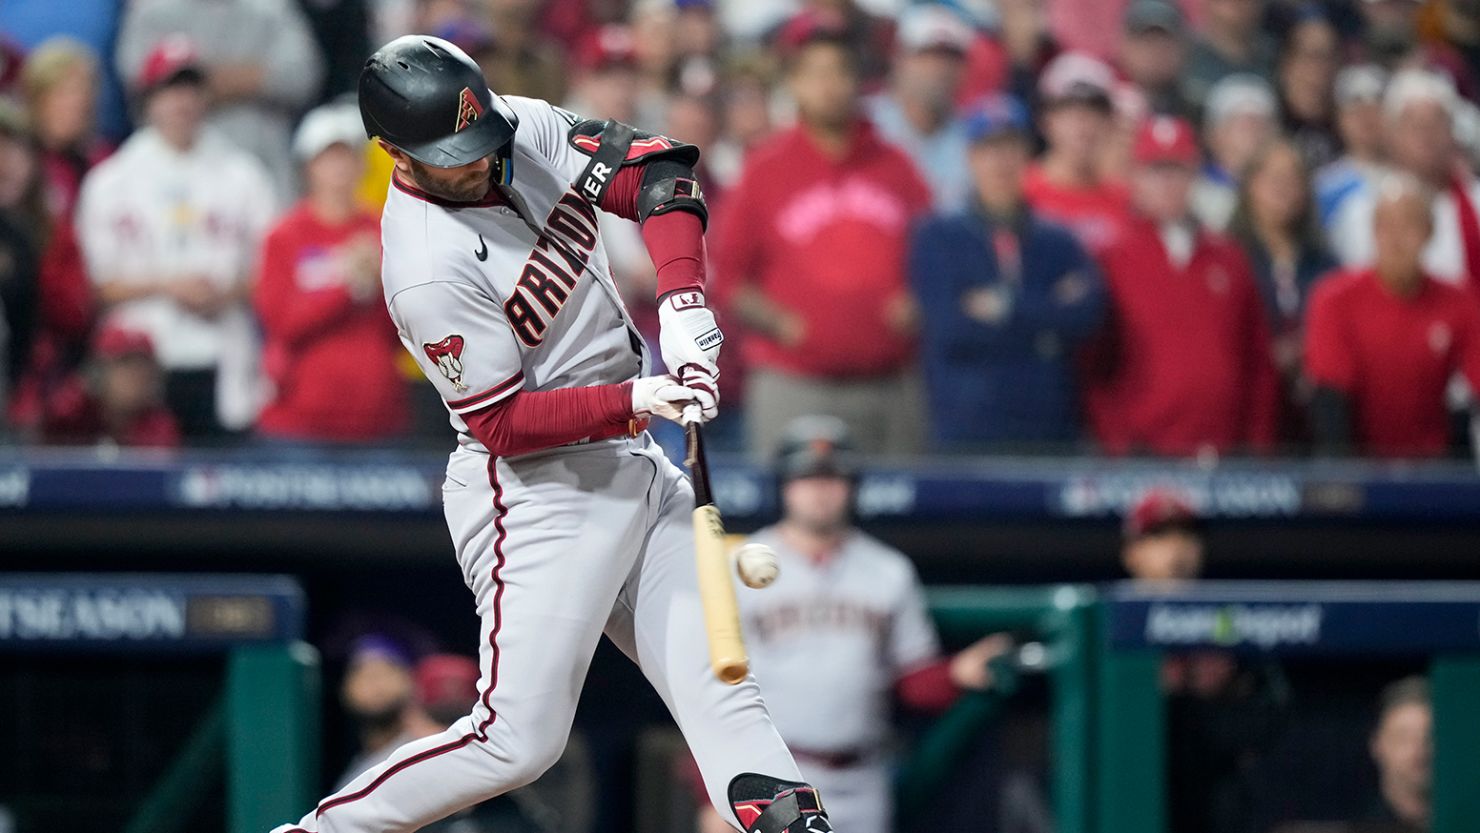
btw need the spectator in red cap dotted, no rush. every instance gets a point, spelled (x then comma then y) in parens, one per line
(1066, 185)
(869, 36)
(117, 400)
(811, 256)
(446, 686)
(1184, 365)
(1382, 343)
(1222, 712)
(606, 83)
(1163, 539)
(170, 226)
(319, 301)
(258, 61)
(917, 111)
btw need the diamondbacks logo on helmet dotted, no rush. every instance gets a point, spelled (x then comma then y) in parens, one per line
(468, 109)
(447, 354)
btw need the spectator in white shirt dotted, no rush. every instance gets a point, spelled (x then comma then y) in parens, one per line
(1418, 118)
(918, 111)
(1241, 115)
(169, 226)
(261, 64)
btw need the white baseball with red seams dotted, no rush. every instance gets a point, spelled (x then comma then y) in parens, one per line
(558, 546)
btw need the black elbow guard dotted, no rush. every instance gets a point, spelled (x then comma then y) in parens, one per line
(670, 185)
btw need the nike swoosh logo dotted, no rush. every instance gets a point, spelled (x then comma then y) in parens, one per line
(481, 253)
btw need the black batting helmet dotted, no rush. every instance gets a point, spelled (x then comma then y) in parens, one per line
(429, 99)
(816, 446)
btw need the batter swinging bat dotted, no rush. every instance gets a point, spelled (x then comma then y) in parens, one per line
(721, 613)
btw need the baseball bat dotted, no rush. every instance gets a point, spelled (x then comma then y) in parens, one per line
(716, 589)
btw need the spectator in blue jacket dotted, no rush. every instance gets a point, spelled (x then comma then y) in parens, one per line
(1005, 298)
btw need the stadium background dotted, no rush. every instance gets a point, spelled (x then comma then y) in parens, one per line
(93, 728)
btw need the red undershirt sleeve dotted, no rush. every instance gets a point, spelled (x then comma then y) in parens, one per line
(531, 421)
(675, 240)
(928, 688)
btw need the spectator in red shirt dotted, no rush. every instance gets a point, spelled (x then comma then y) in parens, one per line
(1184, 365)
(1067, 185)
(318, 296)
(1383, 343)
(118, 400)
(46, 305)
(810, 255)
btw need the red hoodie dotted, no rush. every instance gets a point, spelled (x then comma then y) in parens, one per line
(1185, 363)
(824, 238)
(331, 356)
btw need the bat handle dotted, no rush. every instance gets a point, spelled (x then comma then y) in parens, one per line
(691, 445)
(697, 465)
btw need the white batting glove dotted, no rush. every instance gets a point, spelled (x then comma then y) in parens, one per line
(665, 397)
(688, 335)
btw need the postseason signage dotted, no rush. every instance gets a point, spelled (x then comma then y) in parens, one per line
(1310, 618)
(169, 612)
(944, 490)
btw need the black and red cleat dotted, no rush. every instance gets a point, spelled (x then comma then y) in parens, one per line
(763, 804)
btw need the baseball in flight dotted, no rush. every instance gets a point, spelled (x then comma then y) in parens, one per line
(756, 564)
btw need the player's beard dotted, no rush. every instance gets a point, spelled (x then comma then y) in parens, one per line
(470, 188)
(380, 719)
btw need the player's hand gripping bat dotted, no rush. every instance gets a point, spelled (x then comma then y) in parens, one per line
(716, 590)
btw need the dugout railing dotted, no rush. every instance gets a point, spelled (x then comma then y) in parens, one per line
(1286, 620)
(1060, 622)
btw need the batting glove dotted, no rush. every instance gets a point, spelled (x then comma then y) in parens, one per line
(666, 397)
(688, 336)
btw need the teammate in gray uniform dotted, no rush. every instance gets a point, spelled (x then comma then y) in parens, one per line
(567, 519)
(849, 609)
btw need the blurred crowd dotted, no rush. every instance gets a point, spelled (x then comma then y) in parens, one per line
(1092, 226)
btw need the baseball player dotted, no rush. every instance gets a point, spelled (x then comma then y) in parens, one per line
(567, 519)
(849, 608)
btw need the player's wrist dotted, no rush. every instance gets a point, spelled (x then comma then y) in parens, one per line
(623, 404)
(667, 293)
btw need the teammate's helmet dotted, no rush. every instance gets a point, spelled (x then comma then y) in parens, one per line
(428, 98)
(814, 446)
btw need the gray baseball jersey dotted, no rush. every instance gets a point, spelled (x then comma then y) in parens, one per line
(489, 305)
(860, 615)
(827, 641)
